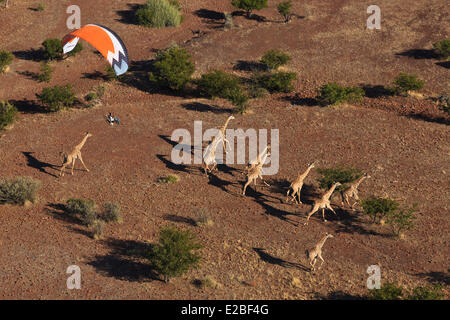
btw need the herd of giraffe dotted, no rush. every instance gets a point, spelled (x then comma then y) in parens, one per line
(254, 171)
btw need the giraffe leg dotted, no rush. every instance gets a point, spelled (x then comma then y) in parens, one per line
(245, 186)
(320, 257)
(299, 190)
(73, 164)
(329, 207)
(316, 207)
(81, 159)
(323, 215)
(287, 194)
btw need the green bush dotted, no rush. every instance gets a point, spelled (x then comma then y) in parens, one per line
(401, 219)
(97, 228)
(85, 210)
(110, 73)
(53, 49)
(337, 174)
(46, 72)
(91, 96)
(57, 97)
(388, 291)
(249, 5)
(273, 59)
(332, 93)
(19, 190)
(111, 212)
(429, 292)
(40, 7)
(407, 82)
(172, 68)
(159, 14)
(276, 82)
(378, 208)
(5, 60)
(219, 84)
(8, 113)
(174, 255)
(171, 178)
(442, 48)
(284, 8)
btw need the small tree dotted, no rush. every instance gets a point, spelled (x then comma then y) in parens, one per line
(57, 97)
(53, 49)
(78, 48)
(442, 48)
(173, 255)
(337, 174)
(219, 84)
(19, 190)
(429, 292)
(249, 5)
(378, 208)
(388, 291)
(85, 210)
(401, 219)
(276, 82)
(273, 59)
(46, 72)
(8, 113)
(5, 60)
(159, 14)
(111, 212)
(332, 93)
(284, 8)
(172, 68)
(407, 82)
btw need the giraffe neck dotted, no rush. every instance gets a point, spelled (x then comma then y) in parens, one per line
(358, 182)
(329, 192)
(224, 127)
(302, 176)
(322, 242)
(261, 163)
(78, 147)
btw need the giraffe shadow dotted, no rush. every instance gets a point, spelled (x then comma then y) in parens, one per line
(266, 257)
(173, 166)
(33, 162)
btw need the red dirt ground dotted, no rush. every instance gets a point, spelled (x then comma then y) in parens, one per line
(254, 249)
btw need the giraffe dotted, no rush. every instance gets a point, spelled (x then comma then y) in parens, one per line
(323, 203)
(254, 162)
(74, 155)
(352, 191)
(223, 133)
(210, 155)
(297, 185)
(254, 172)
(317, 252)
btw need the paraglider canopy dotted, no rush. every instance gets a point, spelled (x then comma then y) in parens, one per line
(105, 41)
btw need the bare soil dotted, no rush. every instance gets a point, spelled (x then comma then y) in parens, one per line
(255, 248)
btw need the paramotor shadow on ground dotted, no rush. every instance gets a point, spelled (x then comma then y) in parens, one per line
(127, 261)
(36, 55)
(203, 107)
(96, 75)
(33, 162)
(277, 261)
(129, 16)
